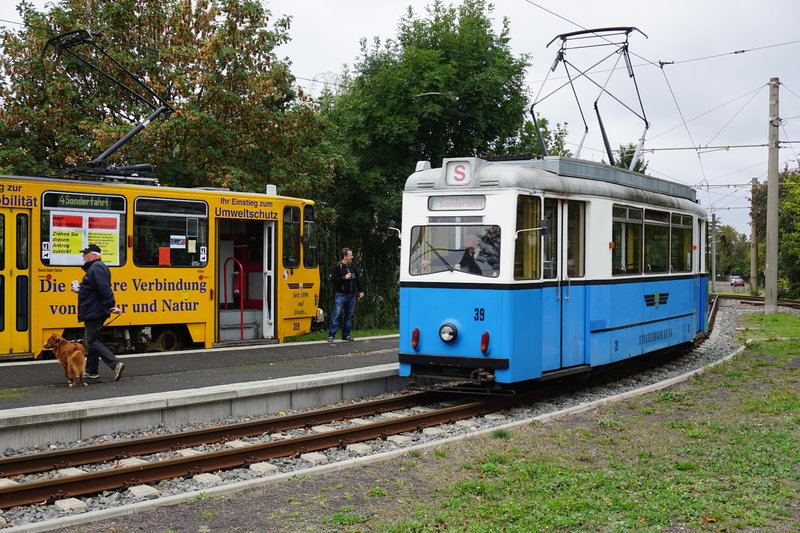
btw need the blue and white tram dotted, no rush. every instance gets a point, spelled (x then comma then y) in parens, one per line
(527, 269)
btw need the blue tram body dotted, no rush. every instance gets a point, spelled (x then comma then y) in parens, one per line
(520, 270)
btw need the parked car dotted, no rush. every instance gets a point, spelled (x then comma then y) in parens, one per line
(737, 281)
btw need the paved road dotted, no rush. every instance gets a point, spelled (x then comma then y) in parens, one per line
(30, 383)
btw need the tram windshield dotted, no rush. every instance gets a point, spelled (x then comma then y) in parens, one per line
(471, 249)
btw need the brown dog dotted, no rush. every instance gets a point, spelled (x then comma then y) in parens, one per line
(71, 355)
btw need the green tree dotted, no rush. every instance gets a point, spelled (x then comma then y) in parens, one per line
(446, 86)
(788, 229)
(238, 120)
(733, 253)
(527, 142)
(626, 153)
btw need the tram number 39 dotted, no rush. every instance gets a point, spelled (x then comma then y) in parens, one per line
(479, 314)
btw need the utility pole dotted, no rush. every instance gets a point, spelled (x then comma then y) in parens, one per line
(753, 242)
(771, 261)
(713, 253)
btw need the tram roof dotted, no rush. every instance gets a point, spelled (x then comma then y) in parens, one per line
(528, 173)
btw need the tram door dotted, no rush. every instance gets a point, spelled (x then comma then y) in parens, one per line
(268, 319)
(565, 246)
(246, 279)
(14, 281)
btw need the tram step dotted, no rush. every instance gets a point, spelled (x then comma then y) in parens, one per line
(252, 342)
(232, 332)
(231, 317)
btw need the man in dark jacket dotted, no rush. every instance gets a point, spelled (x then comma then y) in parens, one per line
(95, 305)
(347, 286)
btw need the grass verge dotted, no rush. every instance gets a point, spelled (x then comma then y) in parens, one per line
(357, 333)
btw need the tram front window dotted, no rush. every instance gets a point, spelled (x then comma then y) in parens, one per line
(471, 249)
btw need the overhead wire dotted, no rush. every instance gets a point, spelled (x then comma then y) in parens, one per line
(732, 118)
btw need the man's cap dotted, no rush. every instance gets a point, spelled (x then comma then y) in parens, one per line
(91, 248)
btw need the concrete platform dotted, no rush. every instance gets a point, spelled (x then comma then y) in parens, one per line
(37, 407)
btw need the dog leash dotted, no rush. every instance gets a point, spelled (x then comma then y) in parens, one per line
(101, 327)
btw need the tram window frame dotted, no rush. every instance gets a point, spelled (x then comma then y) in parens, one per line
(702, 240)
(3, 241)
(309, 239)
(528, 244)
(3, 284)
(440, 248)
(82, 204)
(681, 239)
(576, 238)
(550, 241)
(656, 241)
(291, 236)
(22, 289)
(164, 220)
(626, 235)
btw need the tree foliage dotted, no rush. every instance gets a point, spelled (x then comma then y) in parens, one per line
(446, 86)
(239, 123)
(733, 252)
(626, 153)
(788, 228)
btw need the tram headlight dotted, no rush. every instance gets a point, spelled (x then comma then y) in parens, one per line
(415, 338)
(448, 332)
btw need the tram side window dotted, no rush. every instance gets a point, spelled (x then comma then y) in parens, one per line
(681, 244)
(626, 257)
(656, 241)
(527, 248)
(702, 238)
(550, 241)
(576, 236)
(170, 232)
(291, 237)
(309, 239)
(71, 220)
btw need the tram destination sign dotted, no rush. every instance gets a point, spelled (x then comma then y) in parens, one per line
(475, 202)
(62, 200)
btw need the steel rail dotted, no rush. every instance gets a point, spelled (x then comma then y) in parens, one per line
(92, 483)
(759, 300)
(40, 462)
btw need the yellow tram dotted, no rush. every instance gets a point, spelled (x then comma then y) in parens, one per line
(190, 267)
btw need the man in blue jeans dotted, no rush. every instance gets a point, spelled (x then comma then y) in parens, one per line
(347, 286)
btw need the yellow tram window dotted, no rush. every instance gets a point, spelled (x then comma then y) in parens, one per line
(310, 259)
(170, 232)
(291, 237)
(71, 220)
(22, 280)
(3, 273)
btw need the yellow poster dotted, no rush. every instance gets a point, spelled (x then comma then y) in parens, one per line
(70, 232)
(108, 243)
(66, 242)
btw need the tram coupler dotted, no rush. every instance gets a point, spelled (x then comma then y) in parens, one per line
(480, 376)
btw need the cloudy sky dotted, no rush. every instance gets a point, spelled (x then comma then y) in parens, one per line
(712, 92)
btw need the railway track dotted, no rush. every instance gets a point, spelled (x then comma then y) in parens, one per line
(38, 484)
(114, 477)
(759, 300)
